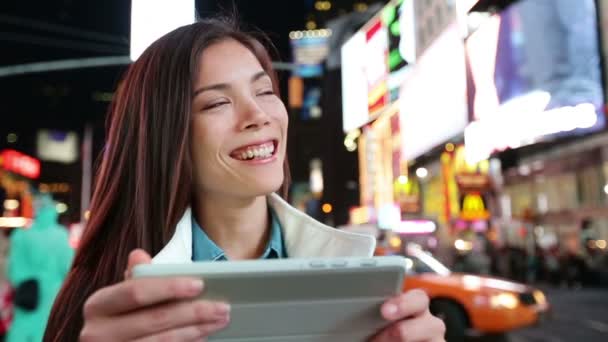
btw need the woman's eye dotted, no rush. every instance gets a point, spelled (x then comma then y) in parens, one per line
(266, 93)
(214, 105)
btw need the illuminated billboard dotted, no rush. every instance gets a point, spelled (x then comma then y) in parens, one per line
(433, 99)
(535, 75)
(374, 61)
(151, 19)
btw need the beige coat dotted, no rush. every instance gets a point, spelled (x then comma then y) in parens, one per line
(304, 237)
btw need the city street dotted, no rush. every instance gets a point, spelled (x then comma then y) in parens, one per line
(577, 316)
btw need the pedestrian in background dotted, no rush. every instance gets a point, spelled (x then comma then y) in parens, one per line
(38, 261)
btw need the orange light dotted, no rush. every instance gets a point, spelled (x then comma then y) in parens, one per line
(327, 208)
(449, 147)
(395, 242)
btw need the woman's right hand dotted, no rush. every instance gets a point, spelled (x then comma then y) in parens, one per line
(151, 309)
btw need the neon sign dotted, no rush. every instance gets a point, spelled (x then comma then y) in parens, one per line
(474, 208)
(20, 163)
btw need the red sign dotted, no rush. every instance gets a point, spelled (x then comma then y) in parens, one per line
(20, 163)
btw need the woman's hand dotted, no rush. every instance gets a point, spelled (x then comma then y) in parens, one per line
(151, 309)
(411, 320)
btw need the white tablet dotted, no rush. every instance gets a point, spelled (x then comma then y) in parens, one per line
(289, 300)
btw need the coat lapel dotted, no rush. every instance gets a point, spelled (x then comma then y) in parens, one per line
(304, 237)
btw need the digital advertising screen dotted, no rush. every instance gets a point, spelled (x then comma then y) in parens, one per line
(535, 75)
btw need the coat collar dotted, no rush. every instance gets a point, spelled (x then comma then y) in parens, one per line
(304, 237)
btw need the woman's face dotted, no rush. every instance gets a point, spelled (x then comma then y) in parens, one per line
(239, 125)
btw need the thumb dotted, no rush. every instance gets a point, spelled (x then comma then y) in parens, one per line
(136, 257)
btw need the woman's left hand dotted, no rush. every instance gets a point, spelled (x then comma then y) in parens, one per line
(411, 320)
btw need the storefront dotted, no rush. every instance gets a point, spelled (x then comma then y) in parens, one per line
(560, 195)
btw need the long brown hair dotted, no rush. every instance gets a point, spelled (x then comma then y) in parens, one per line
(144, 181)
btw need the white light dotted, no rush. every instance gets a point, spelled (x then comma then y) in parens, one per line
(505, 206)
(532, 102)
(462, 245)
(606, 189)
(422, 172)
(476, 146)
(540, 297)
(13, 222)
(504, 300)
(316, 177)
(63, 150)
(151, 19)
(415, 227)
(524, 170)
(418, 112)
(315, 112)
(409, 264)
(471, 282)
(474, 19)
(355, 111)
(542, 203)
(416, 251)
(389, 216)
(325, 32)
(61, 207)
(504, 130)
(11, 204)
(585, 115)
(403, 179)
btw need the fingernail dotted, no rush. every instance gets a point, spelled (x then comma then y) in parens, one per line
(390, 310)
(195, 286)
(224, 320)
(222, 308)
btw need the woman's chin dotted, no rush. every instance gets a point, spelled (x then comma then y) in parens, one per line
(268, 188)
(261, 188)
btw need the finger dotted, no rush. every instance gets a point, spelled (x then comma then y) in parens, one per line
(136, 257)
(189, 333)
(425, 328)
(408, 304)
(167, 317)
(134, 294)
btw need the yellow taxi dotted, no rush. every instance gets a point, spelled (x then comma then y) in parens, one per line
(471, 304)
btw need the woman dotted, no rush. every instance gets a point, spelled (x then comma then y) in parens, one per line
(196, 138)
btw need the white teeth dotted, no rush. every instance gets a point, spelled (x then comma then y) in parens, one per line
(257, 152)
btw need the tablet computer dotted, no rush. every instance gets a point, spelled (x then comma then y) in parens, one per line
(289, 300)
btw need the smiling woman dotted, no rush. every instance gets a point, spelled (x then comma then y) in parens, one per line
(237, 121)
(195, 153)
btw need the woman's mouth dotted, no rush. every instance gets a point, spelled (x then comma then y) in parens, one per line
(260, 151)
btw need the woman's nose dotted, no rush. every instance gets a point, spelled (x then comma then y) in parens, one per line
(253, 117)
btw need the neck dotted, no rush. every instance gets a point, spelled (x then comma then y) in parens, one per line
(240, 227)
